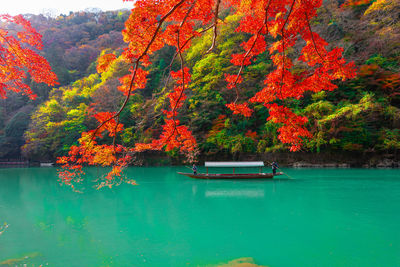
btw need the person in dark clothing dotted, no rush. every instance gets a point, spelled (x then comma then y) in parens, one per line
(274, 167)
(194, 168)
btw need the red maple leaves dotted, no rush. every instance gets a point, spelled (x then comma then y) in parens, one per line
(275, 26)
(287, 21)
(104, 62)
(240, 109)
(156, 23)
(18, 55)
(90, 153)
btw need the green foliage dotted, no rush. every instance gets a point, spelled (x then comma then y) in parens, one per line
(17, 125)
(13, 132)
(383, 62)
(319, 109)
(390, 139)
(2, 118)
(362, 114)
(58, 123)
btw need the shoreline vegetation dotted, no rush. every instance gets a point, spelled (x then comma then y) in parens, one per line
(285, 159)
(288, 159)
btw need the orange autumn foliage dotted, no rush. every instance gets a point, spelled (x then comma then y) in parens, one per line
(218, 125)
(240, 109)
(108, 123)
(19, 56)
(353, 3)
(154, 24)
(251, 134)
(104, 62)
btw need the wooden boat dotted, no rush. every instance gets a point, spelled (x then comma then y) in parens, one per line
(233, 175)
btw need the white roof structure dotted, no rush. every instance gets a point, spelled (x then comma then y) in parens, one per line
(234, 164)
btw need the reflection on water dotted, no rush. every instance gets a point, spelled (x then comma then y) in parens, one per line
(244, 192)
(240, 193)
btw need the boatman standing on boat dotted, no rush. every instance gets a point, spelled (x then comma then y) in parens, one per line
(274, 167)
(194, 168)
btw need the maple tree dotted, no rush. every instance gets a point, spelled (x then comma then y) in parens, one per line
(19, 56)
(275, 26)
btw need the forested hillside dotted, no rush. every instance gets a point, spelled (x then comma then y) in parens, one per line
(72, 44)
(362, 115)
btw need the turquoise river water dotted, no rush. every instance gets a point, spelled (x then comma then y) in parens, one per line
(322, 217)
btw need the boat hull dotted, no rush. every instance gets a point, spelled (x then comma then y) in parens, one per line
(231, 175)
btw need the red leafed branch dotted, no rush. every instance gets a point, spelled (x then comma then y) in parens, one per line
(156, 23)
(19, 43)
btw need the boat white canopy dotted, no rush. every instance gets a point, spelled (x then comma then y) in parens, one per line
(234, 164)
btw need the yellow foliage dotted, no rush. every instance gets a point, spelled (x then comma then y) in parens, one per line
(69, 95)
(381, 5)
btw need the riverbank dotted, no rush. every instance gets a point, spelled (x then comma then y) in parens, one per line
(286, 159)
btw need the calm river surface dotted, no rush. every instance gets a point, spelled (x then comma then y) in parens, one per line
(322, 217)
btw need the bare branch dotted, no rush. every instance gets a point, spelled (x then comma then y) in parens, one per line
(216, 13)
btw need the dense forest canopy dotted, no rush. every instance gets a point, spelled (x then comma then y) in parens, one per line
(285, 82)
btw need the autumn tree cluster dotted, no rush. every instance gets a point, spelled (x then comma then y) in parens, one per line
(275, 26)
(188, 63)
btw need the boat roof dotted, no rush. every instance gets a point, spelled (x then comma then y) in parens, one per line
(234, 164)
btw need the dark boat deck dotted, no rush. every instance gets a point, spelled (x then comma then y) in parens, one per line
(231, 175)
